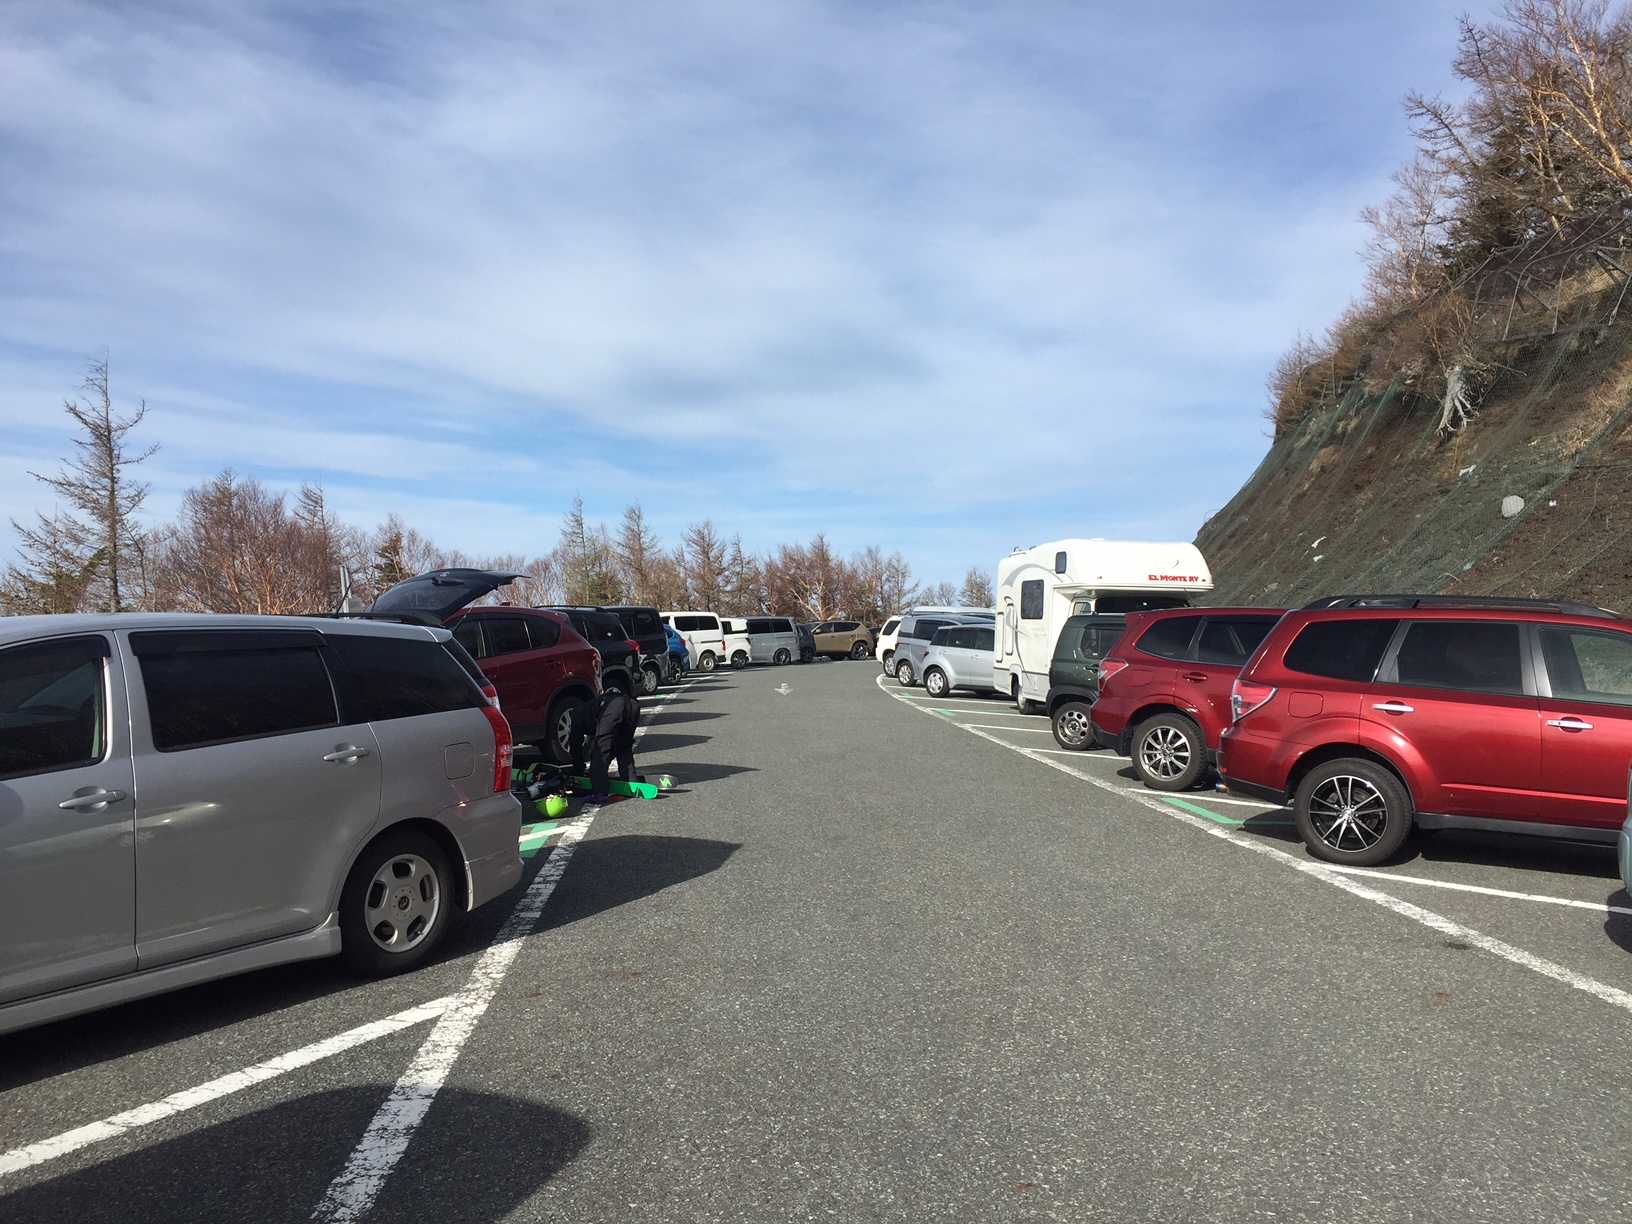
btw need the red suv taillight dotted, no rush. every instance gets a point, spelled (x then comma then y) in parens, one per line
(504, 749)
(1109, 668)
(1246, 696)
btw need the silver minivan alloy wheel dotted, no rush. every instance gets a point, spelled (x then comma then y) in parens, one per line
(1165, 752)
(1348, 813)
(402, 904)
(934, 683)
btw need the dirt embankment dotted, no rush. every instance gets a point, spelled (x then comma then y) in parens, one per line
(1365, 496)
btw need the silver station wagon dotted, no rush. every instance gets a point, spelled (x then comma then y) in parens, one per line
(186, 797)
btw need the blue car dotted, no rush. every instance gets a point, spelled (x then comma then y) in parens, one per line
(677, 651)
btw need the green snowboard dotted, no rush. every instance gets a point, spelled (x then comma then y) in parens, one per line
(629, 790)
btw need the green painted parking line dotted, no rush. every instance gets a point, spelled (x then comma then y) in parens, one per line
(1201, 811)
(534, 836)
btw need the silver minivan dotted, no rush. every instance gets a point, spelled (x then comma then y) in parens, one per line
(772, 639)
(959, 656)
(916, 631)
(184, 797)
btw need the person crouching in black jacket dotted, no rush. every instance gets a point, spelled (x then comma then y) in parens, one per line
(606, 727)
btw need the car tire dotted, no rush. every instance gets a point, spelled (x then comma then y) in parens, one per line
(889, 664)
(903, 673)
(860, 650)
(708, 662)
(1073, 726)
(806, 655)
(650, 680)
(739, 660)
(557, 745)
(935, 682)
(396, 904)
(1169, 752)
(1352, 811)
(782, 657)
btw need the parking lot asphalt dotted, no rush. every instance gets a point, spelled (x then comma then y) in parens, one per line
(881, 957)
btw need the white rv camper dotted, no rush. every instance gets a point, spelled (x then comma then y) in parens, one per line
(1038, 588)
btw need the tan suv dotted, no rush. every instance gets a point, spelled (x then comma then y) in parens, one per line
(843, 639)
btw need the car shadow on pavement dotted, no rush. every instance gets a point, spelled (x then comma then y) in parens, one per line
(611, 871)
(681, 716)
(1511, 850)
(1619, 926)
(61, 1046)
(688, 773)
(478, 1156)
(661, 742)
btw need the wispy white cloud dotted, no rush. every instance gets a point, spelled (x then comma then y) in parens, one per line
(940, 276)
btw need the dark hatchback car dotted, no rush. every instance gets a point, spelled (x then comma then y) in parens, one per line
(644, 627)
(1073, 675)
(620, 654)
(1164, 688)
(538, 664)
(1374, 714)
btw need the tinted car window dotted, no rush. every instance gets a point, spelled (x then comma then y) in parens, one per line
(1341, 649)
(889, 628)
(543, 632)
(507, 634)
(924, 628)
(383, 678)
(781, 624)
(1587, 666)
(52, 713)
(984, 639)
(199, 696)
(604, 629)
(758, 624)
(1231, 641)
(688, 624)
(642, 621)
(468, 633)
(1031, 599)
(708, 622)
(1169, 639)
(1477, 656)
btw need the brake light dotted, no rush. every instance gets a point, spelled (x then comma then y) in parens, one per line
(1109, 668)
(504, 748)
(491, 693)
(634, 646)
(1246, 696)
(597, 663)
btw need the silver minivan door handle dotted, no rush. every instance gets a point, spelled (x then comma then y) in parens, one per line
(1570, 724)
(345, 754)
(1393, 707)
(96, 799)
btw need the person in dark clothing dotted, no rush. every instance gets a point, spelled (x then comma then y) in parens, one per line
(605, 727)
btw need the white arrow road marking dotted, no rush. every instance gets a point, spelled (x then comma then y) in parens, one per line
(214, 1090)
(783, 689)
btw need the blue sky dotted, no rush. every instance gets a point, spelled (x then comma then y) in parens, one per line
(943, 277)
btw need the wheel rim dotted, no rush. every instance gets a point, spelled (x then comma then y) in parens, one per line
(934, 684)
(858, 651)
(903, 672)
(707, 662)
(402, 903)
(1348, 813)
(1165, 753)
(563, 731)
(649, 681)
(782, 657)
(1073, 726)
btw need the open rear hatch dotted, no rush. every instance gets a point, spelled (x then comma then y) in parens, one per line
(432, 598)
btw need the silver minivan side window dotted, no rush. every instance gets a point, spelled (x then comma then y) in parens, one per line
(53, 706)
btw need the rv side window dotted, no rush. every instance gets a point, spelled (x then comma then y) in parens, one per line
(1031, 599)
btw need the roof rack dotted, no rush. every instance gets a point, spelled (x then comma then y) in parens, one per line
(1470, 602)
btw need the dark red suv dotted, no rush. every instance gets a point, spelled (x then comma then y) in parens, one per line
(1374, 713)
(1164, 688)
(539, 665)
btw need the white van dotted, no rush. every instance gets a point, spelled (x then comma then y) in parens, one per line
(705, 643)
(737, 643)
(1039, 588)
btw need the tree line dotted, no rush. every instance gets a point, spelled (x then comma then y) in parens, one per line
(1542, 144)
(237, 546)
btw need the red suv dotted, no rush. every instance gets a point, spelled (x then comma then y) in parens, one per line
(540, 666)
(1374, 713)
(1164, 688)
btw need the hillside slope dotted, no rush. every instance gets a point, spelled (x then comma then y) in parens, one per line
(1364, 495)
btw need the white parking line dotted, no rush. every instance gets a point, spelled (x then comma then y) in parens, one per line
(1001, 727)
(1323, 872)
(354, 1190)
(1596, 906)
(214, 1090)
